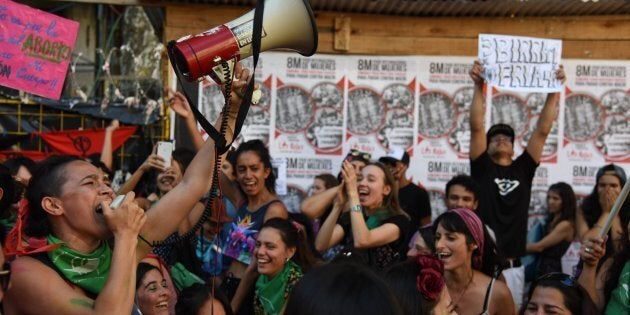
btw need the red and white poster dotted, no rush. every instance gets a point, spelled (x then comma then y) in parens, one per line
(257, 125)
(443, 132)
(315, 109)
(596, 117)
(308, 118)
(380, 104)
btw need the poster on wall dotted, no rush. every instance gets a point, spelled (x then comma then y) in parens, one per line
(596, 120)
(442, 125)
(308, 111)
(313, 112)
(257, 125)
(380, 104)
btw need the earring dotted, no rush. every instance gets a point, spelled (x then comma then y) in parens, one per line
(287, 259)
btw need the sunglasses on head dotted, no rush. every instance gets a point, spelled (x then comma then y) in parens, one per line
(357, 153)
(563, 278)
(5, 276)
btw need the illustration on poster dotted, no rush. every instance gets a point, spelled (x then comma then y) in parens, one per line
(583, 117)
(294, 112)
(463, 98)
(436, 113)
(365, 111)
(327, 94)
(398, 96)
(511, 110)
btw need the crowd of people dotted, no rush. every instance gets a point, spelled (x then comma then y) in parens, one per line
(364, 242)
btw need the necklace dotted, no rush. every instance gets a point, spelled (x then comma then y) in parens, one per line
(456, 301)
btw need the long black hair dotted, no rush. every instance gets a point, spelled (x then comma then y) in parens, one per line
(342, 288)
(569, 202)
(294, 236)
(259, 148)
(192, 298)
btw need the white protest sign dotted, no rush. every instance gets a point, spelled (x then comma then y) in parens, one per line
(279, 166)
(520, 63)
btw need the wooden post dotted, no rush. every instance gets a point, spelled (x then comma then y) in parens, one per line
(342, 33)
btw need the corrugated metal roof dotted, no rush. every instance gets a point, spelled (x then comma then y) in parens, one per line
(456, 8)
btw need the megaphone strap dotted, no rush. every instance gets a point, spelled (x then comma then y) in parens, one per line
(219, 138)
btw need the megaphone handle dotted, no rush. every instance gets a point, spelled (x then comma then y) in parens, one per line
(212, 132)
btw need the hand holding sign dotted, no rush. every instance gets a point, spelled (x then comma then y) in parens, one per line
(520, 63)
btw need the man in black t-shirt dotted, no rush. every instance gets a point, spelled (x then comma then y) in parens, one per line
(413, 199)
(505, 183)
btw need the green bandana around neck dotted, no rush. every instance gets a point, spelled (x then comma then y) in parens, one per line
(376, 219)
(271, 292)
(87, 271)
(620, 296)
(8, 222)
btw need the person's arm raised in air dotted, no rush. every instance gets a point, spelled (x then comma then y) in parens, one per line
(478, 142)
(179, 104)
(47, 292)
(331, 233)
(545, 121)
(106, 153)
(315, 206)
(166, 215)
(364, 237)
(231, 190)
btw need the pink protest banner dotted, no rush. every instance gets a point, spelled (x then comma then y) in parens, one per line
(35, 49)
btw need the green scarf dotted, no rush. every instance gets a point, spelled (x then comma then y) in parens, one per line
(8, 222)
(620, 297)
(376, 219)
(87, 271)
(272, 293)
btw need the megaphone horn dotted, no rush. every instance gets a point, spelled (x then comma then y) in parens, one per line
(287, 24)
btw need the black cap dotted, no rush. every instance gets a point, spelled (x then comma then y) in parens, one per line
(611, 169)
(395, 155)
(502, 129)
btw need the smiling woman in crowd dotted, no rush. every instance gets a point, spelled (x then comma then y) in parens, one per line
(152, 293)
(280, 259)
(378, 230)
(459, 243)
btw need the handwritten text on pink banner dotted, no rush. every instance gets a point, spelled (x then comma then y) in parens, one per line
(35, 49)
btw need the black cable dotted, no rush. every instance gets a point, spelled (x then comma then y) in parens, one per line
(214, 188)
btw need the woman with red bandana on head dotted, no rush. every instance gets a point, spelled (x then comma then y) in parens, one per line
(459, 244)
